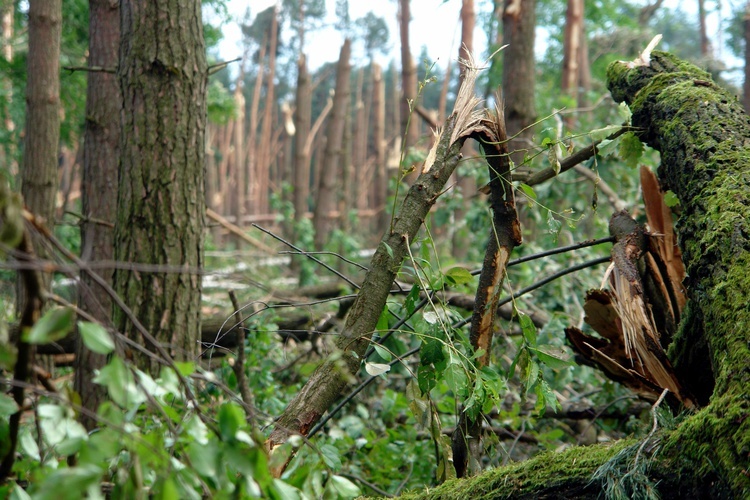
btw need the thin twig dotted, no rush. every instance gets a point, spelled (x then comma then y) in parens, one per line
(307, 254)
(514, 443)
(374, 488)
(653, 428)
(239, 363)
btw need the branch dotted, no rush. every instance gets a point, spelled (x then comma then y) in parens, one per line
(215, 68)
(91, 69)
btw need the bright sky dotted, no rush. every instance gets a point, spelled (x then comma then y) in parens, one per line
(435, 24)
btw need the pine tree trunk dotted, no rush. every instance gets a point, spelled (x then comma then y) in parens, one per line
(519, 22)
(408, 76)
(161, 205)
(746, 87)
(380, 184)
(332, 161)
(99, 187)
(572, 47)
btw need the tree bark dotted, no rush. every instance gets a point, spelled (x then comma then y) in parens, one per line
(302, 123)
(42, 134)
(332, 167)
(266, 156)
(380, 183)
(702, 133)
(519, 23)
(703, 31)
(408, 76)
(98, 189)
(161, 206)
(573, 44)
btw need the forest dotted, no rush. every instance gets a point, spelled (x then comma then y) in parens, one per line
(521, 272)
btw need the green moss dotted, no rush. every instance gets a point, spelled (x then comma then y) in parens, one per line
(568, 471)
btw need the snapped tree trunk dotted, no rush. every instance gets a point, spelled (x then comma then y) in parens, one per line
(408, 77)
(99, 187)
(161, 206)
(703, 134)
(332, 167)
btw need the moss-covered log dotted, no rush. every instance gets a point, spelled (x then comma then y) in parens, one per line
(703, 135)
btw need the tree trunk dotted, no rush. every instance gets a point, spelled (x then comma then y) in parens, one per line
(42, 135)
(380, 182)
(702, 133)
(9, 149)
(519, 22)
(239, 167)
(331, 170)
(408, 76)
(572, 51)
(161, 205)
(266, 156)
(465, 183)
(302, 123)
(705, 44)
(99, 189)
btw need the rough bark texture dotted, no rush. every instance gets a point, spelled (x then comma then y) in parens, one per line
(99, 187)
(703, 134)
(42, 135)
(161, 205)
(519, 23)
(333, 165)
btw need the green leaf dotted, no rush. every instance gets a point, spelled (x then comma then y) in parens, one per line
(231, 419)
(95, 337)
(426, 378)
(8, 406)
(431, 351)
(631, 149)
(458, 276)
(343, 487)
(54, 325)
(411, 299)
(606, 147)
(531, 374)
(528, 190)
(186, 368)
(330, 455)
(527, 327)
(545, 397)
(384, 354)
(68, 483)
(670, 199)
(455, 377)
(382, 325)
(168, 490)
(550, 359)
(388, 249)
(18, 493)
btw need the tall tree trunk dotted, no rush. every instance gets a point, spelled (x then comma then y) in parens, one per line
(266, 157)
(325, 202)
(466, 184)
(519, 22)
(42, 135)
(705, 44)
(161, 205)
(408, 76)
(380, 183)
(38, 182)
(572, 47)
(99, 187)
(9, 149)
(302, 123)
(238, 154)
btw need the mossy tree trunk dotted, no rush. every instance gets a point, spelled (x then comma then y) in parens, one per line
(161, 205)
(99, 186)
(703, 135)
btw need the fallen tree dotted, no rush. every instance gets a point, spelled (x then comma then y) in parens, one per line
(703, 135)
